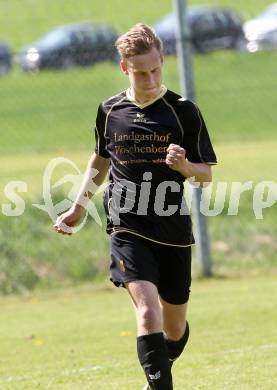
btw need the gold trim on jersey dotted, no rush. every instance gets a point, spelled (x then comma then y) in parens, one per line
(149, 102)
(199, 134)
(182, 130)
(98, 139)
(176, 116)
(115, 231)
(110, 110)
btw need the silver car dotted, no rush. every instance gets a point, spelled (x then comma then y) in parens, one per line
(261, 32)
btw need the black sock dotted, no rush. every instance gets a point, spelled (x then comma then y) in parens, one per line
(153, 357)
(175, 348)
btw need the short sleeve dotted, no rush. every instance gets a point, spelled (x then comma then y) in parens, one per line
(100, 141)
(196, 138)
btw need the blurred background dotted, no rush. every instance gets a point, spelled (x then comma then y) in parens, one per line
(57, 63)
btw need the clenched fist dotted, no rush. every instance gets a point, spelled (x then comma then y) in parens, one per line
(176, 157)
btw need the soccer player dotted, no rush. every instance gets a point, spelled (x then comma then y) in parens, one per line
(150, 140)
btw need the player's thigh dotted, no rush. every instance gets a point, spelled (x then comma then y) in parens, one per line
(175, 274)
(132, 259)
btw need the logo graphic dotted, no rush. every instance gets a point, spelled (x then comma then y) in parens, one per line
(75, 179)
(121, 265)
(140, 118)
(156, 376)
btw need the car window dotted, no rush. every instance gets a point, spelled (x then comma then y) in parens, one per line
(221, 19)
(105, 35)
(55, 37)
(91, 36)
(204, 23)
(235, 19)
(85, 36)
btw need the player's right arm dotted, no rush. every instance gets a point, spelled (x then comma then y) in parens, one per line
(95, 175)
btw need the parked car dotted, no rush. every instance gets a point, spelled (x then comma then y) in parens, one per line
(269, 12)
(5, 58)
(63, 47)
(211, 28)
(264, 38)
(261, 32)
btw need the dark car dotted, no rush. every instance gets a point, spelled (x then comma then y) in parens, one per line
(77, 44)
(5, 58)
(211, 28)
(261, 32)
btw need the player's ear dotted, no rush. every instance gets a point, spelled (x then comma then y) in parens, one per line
(123, 66)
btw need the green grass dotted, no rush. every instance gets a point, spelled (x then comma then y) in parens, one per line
(56, 111)
(85, 339)
(23, 21)
(52, 114)
(243, 155)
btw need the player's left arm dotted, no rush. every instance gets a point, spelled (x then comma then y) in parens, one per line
(194, 156)
(176, 160)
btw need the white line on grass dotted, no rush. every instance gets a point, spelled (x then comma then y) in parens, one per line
(67, 372)
(16, 379)
(81, 370)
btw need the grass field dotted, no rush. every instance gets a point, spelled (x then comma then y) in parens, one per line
(51, 114)
(82, 336)
(76, 339)
(56, 111)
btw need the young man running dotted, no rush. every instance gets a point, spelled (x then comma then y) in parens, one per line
(150, 140)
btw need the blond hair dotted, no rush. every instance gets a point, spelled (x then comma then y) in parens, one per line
(140, 39)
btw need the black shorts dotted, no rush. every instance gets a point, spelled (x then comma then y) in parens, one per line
(168, 267)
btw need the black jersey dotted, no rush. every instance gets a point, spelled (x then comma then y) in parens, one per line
(144, 196)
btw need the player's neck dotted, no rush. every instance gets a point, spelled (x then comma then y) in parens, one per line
(144, 98)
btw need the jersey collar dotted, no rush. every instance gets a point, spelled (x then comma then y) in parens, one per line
(149, 102)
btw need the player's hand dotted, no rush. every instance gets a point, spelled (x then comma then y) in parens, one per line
(176, 157)
(66, 221)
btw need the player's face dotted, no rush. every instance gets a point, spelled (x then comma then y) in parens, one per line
(145, 74)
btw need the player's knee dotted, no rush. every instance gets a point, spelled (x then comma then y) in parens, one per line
(149, 317)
